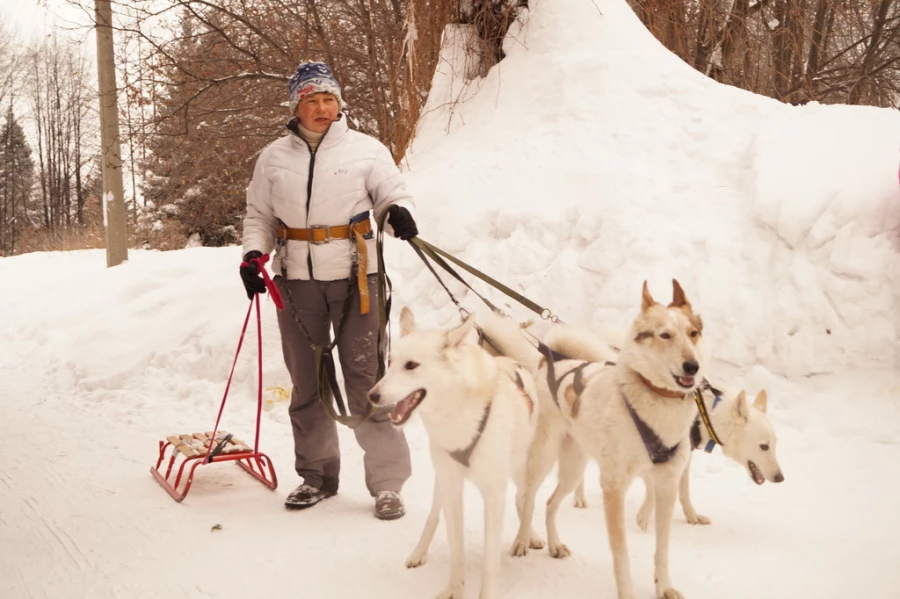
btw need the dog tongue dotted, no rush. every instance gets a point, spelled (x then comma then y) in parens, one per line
(687, 381)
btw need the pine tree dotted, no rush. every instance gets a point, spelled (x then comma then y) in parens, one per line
(16, 177)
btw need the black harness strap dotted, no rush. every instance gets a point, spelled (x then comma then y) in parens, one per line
(552, 381)
(659, 453)
(520, 385)
(696, 435)
(462, 456)
(578, 386)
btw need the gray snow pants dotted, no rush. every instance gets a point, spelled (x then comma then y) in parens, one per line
(318, 305)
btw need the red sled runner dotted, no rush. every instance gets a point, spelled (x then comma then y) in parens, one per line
(196, 449)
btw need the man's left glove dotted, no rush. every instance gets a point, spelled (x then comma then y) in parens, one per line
(401, 221)
(253, 281)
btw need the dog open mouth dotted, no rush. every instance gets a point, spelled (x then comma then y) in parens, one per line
(685, 382)
(404, 408)
(757, 476)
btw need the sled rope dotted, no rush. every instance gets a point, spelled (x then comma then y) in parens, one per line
(426, 251)
(270, 285)
(423, 248)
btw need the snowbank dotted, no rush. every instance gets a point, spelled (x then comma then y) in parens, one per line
(592, 158)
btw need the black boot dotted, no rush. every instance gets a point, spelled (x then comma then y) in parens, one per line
(306, 496)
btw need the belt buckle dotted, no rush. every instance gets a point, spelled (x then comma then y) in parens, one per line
(326, 228)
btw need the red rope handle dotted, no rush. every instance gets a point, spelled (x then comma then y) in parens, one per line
(270, 284)
(212, 441)
(279, 304)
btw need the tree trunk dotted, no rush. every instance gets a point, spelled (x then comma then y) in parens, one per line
(861, 84)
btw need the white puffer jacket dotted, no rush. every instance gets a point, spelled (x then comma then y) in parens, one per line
(351, 173)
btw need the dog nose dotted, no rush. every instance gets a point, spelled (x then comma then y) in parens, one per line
(779, 478)
(690, 367)
(374, 397)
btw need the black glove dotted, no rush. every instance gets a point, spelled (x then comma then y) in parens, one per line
(402, 222)
(253, 281)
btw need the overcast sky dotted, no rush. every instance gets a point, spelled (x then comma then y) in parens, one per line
(29, 19)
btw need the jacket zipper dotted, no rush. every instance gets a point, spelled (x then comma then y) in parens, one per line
(309, 182)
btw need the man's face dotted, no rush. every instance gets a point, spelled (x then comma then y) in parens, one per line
(317, 111)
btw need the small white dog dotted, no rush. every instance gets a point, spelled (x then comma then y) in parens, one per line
(479, 411)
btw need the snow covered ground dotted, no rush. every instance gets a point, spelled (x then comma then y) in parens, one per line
(588, 160)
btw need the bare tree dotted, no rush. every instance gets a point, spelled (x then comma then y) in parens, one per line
(59, 95)
(830, 51)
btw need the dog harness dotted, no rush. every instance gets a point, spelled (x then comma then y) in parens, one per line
(520, 385)
(463, 456)
(554, 382)
(659, 453)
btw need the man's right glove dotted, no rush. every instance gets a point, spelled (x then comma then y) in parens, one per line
(253, 281)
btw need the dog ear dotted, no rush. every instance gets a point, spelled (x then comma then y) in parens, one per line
(646, 299)
(678, 298)
(457, 336)
(407, 322)
(762, 401)
(743, 410)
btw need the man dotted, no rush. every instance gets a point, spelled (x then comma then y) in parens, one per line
(311, 194)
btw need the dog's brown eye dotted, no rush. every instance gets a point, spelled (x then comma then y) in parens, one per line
(411, 365)
(694, 333)
(665, 335)
(764, 446)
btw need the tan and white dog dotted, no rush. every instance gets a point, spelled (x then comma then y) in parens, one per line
(633, 417)
(745, 431)
(479, 412)
(747, 437)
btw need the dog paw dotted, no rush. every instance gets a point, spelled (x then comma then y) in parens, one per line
(451, 593)
(581, 502)
(535, 542)
(559, 551)
(668, 593)
(643, 521)
(415, 560)
(697, 519)
(519, 548)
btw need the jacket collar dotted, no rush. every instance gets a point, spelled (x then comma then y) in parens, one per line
(332, 137)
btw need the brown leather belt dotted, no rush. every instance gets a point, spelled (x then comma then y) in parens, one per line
(324, 233)
(319, 234)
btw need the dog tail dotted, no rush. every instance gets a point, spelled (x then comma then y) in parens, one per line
(584, 345)
(506, 336)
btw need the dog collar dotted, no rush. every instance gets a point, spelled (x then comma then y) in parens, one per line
(710, 445)
(701, 407)
(660, 390)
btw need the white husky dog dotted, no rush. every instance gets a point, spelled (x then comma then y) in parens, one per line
(633, 418)
(479, 411)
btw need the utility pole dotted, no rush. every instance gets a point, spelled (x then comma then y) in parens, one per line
(111, 156)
